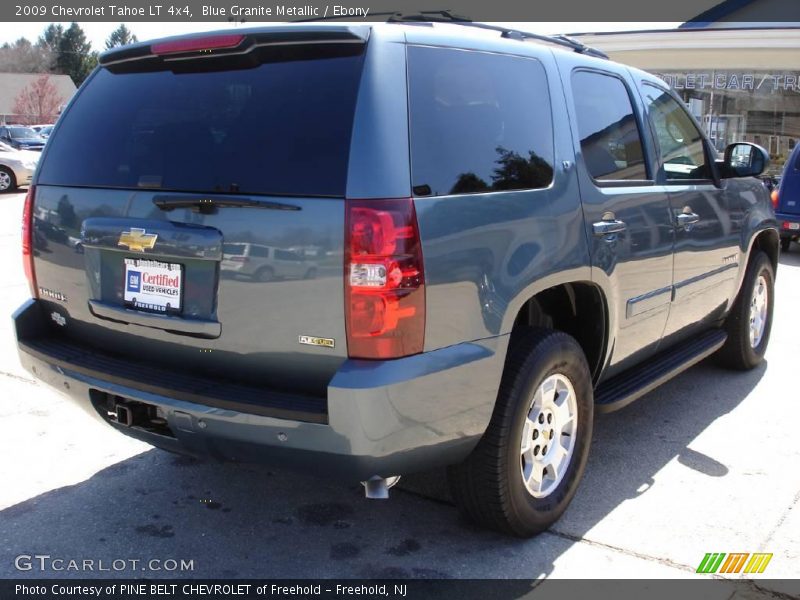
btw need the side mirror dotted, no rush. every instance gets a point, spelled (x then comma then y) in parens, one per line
(743, 159)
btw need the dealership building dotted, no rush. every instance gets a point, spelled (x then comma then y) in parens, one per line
(742, 83)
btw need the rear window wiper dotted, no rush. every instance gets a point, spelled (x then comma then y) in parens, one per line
(206, 204)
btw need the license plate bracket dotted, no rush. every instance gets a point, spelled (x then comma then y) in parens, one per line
(153, 285)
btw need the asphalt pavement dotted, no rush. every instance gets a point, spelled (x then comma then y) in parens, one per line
(709, 462)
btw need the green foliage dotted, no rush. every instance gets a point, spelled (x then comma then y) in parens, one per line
(121, 36)
(74, 55)
(71, 50)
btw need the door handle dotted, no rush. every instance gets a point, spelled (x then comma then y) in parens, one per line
(687, 219)
(608, 227)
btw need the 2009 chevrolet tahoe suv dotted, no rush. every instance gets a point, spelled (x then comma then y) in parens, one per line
(507, 235)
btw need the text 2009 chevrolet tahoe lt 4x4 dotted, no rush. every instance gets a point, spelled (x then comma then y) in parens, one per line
(493, 238)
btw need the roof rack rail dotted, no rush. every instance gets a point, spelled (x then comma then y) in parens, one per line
(445, 16)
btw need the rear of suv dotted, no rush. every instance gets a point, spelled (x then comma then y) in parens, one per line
(787, 200)
(490, 264)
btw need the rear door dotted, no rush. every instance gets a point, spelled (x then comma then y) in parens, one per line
(172, 169)
(707, 218)
(626, 214)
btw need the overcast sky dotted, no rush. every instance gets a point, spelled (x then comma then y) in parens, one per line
(98, 32)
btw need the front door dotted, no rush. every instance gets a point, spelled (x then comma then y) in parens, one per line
(707, 219)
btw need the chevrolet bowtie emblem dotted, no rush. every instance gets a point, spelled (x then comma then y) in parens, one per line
(137, 240)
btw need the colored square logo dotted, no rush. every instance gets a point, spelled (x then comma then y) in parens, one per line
(134, 283)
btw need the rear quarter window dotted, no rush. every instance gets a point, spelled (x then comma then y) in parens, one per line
(279, 128)
(479, 122)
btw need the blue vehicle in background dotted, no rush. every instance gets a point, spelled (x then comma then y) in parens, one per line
(787, 200)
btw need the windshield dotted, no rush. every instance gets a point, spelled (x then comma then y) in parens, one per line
(279, 128)
(22, 132)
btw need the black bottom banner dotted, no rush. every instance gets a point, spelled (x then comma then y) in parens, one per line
(460, 589)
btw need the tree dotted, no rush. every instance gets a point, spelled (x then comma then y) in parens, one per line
(38, 102)
(51, 37)
(24, 57)
(74, 54)
(121, 36)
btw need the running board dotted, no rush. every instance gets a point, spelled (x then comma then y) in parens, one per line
(622, 389)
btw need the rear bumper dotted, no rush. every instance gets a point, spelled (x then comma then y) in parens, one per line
(785, 224)
(383, 417)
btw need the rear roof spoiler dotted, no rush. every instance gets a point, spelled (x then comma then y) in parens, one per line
(251, 38)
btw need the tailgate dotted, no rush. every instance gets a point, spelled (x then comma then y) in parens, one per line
(189, 214)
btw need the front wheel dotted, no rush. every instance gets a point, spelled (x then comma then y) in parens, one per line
(525, 470)
(750, 320)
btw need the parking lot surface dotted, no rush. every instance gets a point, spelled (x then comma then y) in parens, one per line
(709, 462)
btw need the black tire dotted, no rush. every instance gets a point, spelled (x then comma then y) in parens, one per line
(488, 486)
(785, 243)
(311, 273)
(265, 274)
(12, 185)
(738, 353)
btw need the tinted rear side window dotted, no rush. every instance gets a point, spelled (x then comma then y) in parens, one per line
(479, 122)
(276, 128)
(610, 140)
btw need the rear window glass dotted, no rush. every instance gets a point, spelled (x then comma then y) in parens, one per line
(279, 128)
(479, 122)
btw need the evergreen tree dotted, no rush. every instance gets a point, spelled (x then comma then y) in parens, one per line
(51, 37)
(121, 36)
(74, 55)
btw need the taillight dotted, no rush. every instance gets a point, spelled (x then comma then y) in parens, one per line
(384, 279)
(198, 44)
(27, 241)
(774, 197)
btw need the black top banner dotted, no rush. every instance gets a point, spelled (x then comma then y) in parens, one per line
(700, 11)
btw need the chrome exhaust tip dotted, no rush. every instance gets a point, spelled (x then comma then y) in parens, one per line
(377, 488)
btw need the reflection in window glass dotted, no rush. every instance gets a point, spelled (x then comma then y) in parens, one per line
(233, 248)
(680, 142)
(281, 127)
(610, 139)
(479, 122)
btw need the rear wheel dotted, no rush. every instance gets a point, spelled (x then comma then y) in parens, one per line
(265, 274)
(8, 183)
(785, 243)
(526, 468)
(750, 320)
